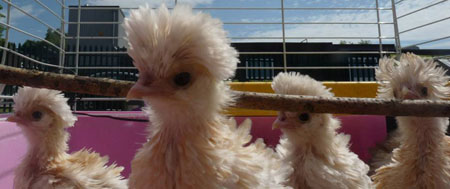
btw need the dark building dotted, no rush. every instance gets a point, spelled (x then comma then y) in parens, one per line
(318, 66)
(97, 14)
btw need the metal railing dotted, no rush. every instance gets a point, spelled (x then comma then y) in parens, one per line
(62, 18)
(64, 53)
(433, 4)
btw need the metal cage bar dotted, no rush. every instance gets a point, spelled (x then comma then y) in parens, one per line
(424, 25)
(304, 52)
(284, 52)
(299, 37)
(398, 48)
(62, 42)
(420, 26)
(28, 58)
(283, 24)
(251, 8)
(258, 23)
(8, 21)
(31, 35)
(48, 9)
(380, 41)
(420, 9)
(429, 41)
(240, 68)
(31, 16)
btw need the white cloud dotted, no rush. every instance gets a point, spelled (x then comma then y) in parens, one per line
(331, 30)
(154, 3)
(16, 15)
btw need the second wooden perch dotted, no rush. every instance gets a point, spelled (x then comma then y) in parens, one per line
(263, 101)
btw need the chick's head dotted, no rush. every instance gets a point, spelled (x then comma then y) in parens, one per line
(38, 111)
(411, 78)
(296, 84)
(180, 55)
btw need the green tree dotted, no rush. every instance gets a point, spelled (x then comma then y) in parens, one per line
(51, 36)
(364, 42)
(2, 28)
(343, 42)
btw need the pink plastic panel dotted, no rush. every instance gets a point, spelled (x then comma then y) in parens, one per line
(12, 147)
(120, 139)
(365, 131)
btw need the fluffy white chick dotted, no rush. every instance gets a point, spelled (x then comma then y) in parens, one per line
(43, 115)
(382, 152)
(183, 58)
(319, 155)
(422, 160)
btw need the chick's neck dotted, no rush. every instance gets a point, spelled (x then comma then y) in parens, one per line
(47, 146)
(423, 136)
(316, 141)
(195, 116)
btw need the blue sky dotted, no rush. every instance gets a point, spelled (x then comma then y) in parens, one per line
(441, 29)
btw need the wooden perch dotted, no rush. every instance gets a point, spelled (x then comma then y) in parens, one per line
(339, 105)
(250, 100)
(64, 82)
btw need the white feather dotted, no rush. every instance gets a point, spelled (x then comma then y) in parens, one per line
(422, 160)
(319, 155)
(46, 163)
(191, 143)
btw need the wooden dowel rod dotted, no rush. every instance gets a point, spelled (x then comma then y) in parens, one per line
(250, 100)
(64, 82)
(339, 105)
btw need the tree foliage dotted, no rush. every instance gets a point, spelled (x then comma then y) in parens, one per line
(2, 28)
(362, 42)
(51, 36)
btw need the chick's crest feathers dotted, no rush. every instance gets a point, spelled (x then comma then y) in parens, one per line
(411, 69)
(294, 83)
(157, 39)
(27, 98)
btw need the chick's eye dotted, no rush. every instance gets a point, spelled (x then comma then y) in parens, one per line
(303, 117)
(424, 91)
(37, 115)
(182, 79)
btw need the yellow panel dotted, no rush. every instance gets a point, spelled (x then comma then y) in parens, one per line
(340, 89)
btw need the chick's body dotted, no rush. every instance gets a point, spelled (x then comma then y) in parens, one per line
(43, 115)
(319, 155)
(382, 152)
(422, 160)
(183, 58)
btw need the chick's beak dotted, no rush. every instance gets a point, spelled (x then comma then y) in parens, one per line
(280, 122)
(13, 118)
(410, 95)
(141, 89)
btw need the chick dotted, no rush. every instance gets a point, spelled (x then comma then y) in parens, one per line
(183, 58)
(43, 115)
(382, 153)
(319, 155)
(422, 160)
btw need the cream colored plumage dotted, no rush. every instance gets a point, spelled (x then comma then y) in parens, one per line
(382, 152)
(43, 116)
(422, 160)
(319, 155)
(183, 58)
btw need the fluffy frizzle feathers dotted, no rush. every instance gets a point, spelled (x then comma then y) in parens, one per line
(28, 97)
(411, 70)
(158, 38)
(310, 143)
(294, 83)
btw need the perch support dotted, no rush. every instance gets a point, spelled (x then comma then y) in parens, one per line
(250, 100)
